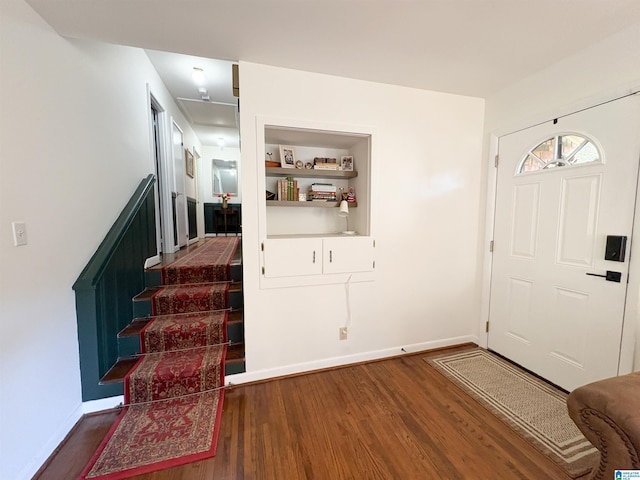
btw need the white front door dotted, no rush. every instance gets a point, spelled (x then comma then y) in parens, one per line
(179, 190)
(551, 226)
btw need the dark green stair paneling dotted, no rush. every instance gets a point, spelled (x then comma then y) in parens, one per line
(235, 367)
(104, 289)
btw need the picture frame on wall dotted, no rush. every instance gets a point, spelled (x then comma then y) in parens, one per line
(346, 163)
(189, 162)
(287, 156)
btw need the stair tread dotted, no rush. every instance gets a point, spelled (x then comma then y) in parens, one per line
(235, 352)
(134, 328)
(148, 292)
(137, 324)
(116, 374)
(167, 258)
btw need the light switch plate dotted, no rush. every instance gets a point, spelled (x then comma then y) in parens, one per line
(19, 233)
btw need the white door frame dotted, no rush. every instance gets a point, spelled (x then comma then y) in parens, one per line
(178, 176)
(630, 329)
(162, 188)
(196, 175)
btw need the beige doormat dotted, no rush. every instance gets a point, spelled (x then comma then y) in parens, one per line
(530, 406)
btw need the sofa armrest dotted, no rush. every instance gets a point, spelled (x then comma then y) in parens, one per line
(607, 412)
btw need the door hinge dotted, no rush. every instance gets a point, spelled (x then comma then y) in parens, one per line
(496, 161)
(263, 270)
(486, 327)
(262, 246)
(374, 264)
(491, 246)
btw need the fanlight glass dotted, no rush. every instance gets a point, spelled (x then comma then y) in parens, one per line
(559, 151)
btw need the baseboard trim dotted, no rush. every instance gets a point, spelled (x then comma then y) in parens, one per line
(308, 367)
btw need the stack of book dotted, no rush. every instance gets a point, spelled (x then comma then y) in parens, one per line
(322, 192)
(320, 163)
(288, 189)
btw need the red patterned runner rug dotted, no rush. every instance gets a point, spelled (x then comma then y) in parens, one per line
(177, 332)
(190, 298)
(154, 436)
(158, 376)
(207, 263)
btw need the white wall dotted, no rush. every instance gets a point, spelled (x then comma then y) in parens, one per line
(425, 218)
(606, 70)
(74, 144)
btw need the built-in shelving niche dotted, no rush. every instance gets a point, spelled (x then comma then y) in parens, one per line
(306, 246)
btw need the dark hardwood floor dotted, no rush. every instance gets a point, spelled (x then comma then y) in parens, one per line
(391, 419)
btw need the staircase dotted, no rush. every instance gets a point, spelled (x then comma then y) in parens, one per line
(129, 347)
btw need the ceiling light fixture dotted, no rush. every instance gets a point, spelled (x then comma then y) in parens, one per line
(198, 75)
(204, 95)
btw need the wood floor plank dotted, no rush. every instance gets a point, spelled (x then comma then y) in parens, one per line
(76, 450)
(392, 419)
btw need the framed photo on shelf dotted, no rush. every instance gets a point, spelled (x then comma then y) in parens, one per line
(189, 162)
(346, 163)
(287, 156)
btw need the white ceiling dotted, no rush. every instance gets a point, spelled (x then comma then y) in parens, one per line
(212, 119)
(468, 47)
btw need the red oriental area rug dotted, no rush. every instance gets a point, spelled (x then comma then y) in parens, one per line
(158, 376)
(190, 298)
(206, 264)
(150, 437)
(177, 332)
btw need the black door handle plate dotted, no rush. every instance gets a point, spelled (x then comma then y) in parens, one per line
(610, 276)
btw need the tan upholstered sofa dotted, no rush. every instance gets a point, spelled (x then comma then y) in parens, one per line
(608, 414)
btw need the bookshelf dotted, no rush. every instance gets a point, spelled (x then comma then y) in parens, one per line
(302, 240)
(298, 172)
(287, 203)
(308, 144)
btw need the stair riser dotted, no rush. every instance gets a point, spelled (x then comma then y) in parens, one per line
(128, 346)
(235, 332)
(231, 368)
(236, 273)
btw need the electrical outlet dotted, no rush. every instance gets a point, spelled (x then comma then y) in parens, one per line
(343, 333)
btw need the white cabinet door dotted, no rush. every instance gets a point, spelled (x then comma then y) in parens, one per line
(288, 257)
(347, 255)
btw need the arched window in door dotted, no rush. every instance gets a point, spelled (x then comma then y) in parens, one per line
(560, 151)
